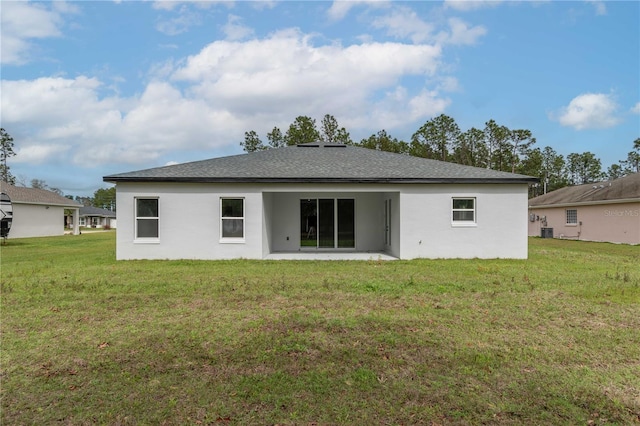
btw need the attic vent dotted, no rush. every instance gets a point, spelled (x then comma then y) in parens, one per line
(335, 145)
(308, 145)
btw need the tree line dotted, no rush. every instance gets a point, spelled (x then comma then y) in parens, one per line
(440, 138)
(493, 147)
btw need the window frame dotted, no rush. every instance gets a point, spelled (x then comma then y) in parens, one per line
(575, 217)
(232, 240)
(146, 240)
(463, 223)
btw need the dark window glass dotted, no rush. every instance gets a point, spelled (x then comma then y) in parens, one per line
(147, 207)
(147, 218)
(232, 207)
(463, 203)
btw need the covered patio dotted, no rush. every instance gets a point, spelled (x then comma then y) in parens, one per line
(330, 255)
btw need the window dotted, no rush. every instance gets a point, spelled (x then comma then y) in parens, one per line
(464, 210)
(232, 218)
(147, 218)
(572, 216)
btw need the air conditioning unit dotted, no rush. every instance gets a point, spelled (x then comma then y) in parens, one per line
(546, 232)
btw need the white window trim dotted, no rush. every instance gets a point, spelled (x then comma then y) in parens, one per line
(465, 223)
(565, 217)
(234, 240)
(144, 240)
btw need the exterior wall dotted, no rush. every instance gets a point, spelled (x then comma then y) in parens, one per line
(610, 222)
(500, 230)
(189, 222)
(34, 220)
(421, 225)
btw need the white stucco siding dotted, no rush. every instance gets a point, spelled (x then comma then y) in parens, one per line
(35, 220)
(189, 222)
(427, 230)
(421, 220)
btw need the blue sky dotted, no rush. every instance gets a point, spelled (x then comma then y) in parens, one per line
(100, 87)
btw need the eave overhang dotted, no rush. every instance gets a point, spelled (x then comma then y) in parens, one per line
(585, 203)
(320, 180)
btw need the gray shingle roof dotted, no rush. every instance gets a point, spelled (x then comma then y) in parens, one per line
(23, 195)
(624, 188)
(95, 211)
(319, 163)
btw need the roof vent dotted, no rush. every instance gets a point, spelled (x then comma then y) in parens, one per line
(335, 145)
(308, 145)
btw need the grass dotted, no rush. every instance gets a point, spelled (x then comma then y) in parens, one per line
(551, 340)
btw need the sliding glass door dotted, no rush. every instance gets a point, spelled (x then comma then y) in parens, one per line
(327, 223)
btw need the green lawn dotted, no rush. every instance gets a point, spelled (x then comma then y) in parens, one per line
(551, 340)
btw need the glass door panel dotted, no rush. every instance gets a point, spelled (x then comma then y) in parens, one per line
(346, 224)
(326, 223)
(309, 223)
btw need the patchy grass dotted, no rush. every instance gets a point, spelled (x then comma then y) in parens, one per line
(550, 340)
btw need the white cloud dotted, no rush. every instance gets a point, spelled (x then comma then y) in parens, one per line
(466, 5)
(462, 34)
(589, 111)
(636, 108)
(179, 24)
(599, 6)
(403, 22)
(340, 8)
(170, 5)
(234, 30)
(288, 71)
(207, 101)
(22, 22)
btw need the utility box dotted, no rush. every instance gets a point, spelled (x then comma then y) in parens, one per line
(546, 232)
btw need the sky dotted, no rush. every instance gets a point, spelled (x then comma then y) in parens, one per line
(93, 88)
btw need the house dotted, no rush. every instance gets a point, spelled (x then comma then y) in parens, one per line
(94, 217)
(38, 212)
(320, 201)
(603, 211)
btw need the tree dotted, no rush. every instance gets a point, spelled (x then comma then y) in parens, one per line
(252, 142)
(439, 134)
(6, 151)
(521, 141)
(331, 132)
(469, 148)
(105, 198)
(632, 163)
(584, 168)
(532, 165)
(276, 138)
(498, 146)
(39, 184)
(302, 130)
(384, 142)
(553, 168)
(615, 171)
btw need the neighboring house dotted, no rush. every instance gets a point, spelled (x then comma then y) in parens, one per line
(38, 212)
(603, 211)
(94, 217)
(313, 199)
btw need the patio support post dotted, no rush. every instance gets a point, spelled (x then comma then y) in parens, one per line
(76, 221)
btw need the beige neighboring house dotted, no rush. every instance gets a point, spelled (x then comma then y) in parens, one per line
(38, 212)
(604, 211)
